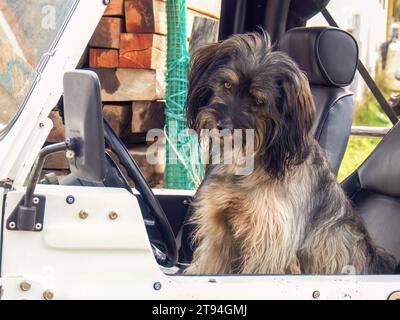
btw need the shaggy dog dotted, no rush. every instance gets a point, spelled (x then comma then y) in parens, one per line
(288, 215)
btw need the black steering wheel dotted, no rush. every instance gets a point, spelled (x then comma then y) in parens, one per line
(156, 211)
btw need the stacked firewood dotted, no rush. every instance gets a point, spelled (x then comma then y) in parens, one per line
(128, 52)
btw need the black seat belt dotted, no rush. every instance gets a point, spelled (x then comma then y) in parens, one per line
(366, 76)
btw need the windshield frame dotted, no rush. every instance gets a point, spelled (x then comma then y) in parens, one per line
(41, 65)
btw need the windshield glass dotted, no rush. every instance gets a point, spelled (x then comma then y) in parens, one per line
(28, 28)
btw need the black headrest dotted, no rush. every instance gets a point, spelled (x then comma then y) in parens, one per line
(328, 56)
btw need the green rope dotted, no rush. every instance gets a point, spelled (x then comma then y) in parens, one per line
(183, 168)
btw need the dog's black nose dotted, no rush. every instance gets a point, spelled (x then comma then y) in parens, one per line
(225, 125)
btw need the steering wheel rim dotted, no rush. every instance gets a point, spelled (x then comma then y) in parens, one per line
(133, 171)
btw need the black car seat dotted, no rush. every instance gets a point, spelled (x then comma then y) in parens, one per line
(374, 189)
(329, 57)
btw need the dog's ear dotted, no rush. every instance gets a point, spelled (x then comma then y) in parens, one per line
(297, 103)
(199, 89)
(290, 143)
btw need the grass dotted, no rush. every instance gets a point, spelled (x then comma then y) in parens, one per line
(367, 113)
(357, 151)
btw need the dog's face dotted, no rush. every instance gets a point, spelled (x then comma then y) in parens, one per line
(240, 83)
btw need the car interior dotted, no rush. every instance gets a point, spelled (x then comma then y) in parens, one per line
(329, 57)
(316, 50)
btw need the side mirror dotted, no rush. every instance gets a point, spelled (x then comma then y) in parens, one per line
(84, 125)
(84, 146)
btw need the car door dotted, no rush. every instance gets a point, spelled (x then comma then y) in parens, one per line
(92, 245)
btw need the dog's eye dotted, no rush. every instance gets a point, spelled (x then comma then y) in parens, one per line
(259, 101)
(228, 85)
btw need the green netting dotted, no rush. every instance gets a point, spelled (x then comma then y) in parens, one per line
(183, 169)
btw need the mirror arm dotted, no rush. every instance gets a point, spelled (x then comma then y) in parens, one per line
(26, 215)
(38, 166)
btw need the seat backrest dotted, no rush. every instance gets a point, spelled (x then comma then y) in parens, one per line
(374, 189)
(329, 58)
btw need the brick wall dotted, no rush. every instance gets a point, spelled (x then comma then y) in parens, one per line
(128, 52)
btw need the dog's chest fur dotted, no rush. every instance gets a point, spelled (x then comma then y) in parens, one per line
(255, 215)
